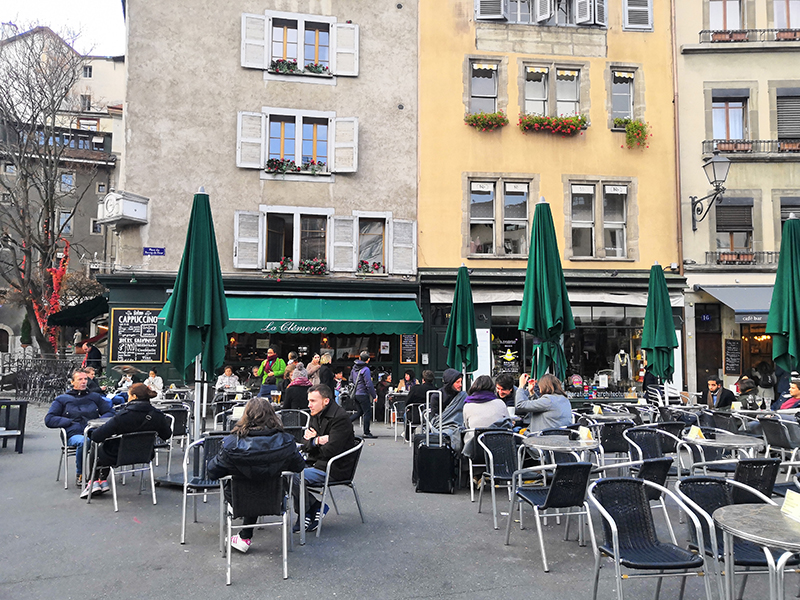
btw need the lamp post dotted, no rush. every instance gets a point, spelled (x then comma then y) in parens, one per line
(716, 169)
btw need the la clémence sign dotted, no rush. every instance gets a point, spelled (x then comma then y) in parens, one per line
(292, 327)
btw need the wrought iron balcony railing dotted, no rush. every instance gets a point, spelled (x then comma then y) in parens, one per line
(749, 35)
(751, 146)
(741, 257)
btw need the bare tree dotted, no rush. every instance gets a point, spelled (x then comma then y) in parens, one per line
(39, 106)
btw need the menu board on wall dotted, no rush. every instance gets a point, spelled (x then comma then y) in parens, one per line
(408, 348)
(134, 336)
(733, 357)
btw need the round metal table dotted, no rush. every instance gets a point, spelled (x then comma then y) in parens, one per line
(765, 525)
(728, 441)
(560, 443)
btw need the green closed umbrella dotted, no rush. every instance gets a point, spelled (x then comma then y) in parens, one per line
(460, 339)
(196, 314)
(783, 323)
(546, 312)
(658, 338)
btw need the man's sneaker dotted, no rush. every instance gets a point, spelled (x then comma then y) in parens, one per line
(79, 480)
(314, 523)
(104, 485)
(241, 544)
(369, 436)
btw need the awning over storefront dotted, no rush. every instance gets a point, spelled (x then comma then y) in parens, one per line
(497, 295)
(750, 303)
(80, 314)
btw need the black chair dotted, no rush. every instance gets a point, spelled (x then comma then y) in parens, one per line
(776, 435)
(566, 490)
(478, 456)
(197, 483)
(704, 495)
(295, 422)
(611, 438)
(66, 452)
(325, 489)
(412, 418)
(133, 449)
(501, 449)
(630, 534)
(648, 442)
(725, 420)
(262, 498)
(398, 415)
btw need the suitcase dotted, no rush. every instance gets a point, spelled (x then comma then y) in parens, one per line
(419, 439)
(435, 463)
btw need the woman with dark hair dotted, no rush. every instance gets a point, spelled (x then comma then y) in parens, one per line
(550, 410)
(257, 448)
(483, 408)
(408, 381)
(296, 394)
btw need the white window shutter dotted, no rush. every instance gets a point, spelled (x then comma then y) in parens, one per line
(250, 132)
(403, 251)
(600, 15)
(344, 137)
(544, 10)
(491, 9)
(343, 255)
(248, 240)
(254, 41)
(638, 14)
(345, 50)
(583, 11)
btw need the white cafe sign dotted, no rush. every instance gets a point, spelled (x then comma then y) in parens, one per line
(292, 327)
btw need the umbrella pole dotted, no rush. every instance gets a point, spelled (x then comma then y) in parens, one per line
(198, 374)
(463, 376)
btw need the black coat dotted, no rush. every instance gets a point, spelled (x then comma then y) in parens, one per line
(334, 422)
(418, 394)
(134, 416)
(264, 453)
(326, 376)
(295, 396)
(724, 400)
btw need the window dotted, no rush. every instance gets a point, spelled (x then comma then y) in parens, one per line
(481, 218)
(86, 103)
(788, 116)
(87, 71)
(95, 228)
(100, 187)
(483, 88)
(637, 14)
(568, 97)
(498, 218)
(787, 14)
(515, 219)
(622, 95)
(725, 15)
(88, 124)
(279, 237)
(65, 222)
(313, 235)
(307, 39)
(9, 169)
(67, 182)
(536, 90)
(789, 206)
(544, 12)
(298, 136)
(599, 220)
(729, 119)
(371, 233)
(734, 227)
(519, 11)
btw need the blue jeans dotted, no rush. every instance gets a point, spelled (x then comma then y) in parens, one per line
(315, 477)
(77, 441)
(266, 389)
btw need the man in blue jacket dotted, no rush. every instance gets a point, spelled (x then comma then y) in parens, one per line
(365, 391)
(72, 411)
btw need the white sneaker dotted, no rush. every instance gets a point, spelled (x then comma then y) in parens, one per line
(96, 490)
(240, 544)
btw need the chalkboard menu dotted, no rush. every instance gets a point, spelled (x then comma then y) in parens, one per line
(733, 357)
(408, 349)
(134, 336)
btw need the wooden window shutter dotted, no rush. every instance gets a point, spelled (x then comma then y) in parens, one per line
(734, 218)
(343, 255)
(638, 14)
(344, 152)
(250, 147)
(600, 13)
(248, 236)
(583, 11)
(345, 50)
(403, 240)
(492, 9)
(544, 10)
(255, 38)
(789, 206)
(788, 117)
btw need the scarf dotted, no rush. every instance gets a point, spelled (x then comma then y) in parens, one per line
(302, 381)
(481, 397)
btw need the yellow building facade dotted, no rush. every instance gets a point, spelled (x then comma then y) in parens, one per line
(615, 209)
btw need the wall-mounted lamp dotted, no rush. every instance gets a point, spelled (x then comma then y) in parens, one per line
(716, 169)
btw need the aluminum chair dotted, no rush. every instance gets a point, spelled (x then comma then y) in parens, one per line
(611, 439)
(398, 415)
(295, 422)
(166, 445)
(502, 459)
(197, 483)
(136, 448)
(412, 419)
(66, 452)
(777, 437)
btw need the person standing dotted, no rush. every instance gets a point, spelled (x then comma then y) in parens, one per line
(365, 392)
(325, 373)
(92, 357)
(313, 370)
(271, 372)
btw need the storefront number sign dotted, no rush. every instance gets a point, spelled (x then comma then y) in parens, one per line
(134, 336)
(408, 349)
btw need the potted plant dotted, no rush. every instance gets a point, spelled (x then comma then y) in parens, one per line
(284, 67)
(281, 166)
(366, 268)
(636, 132)
(313, 266)
(486, 121)
(25, 339)
(317, 69)
(739, 36)
(726, 146)
(721, 36)
(792, 146)
(565, 126)
(786, 34)
(284, 265)
(746, 258)
(314, 167)
(743, 146)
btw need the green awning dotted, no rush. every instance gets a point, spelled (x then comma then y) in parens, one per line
(80, 314)
(285, 314)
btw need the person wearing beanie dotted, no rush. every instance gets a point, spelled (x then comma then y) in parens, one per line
(296, 394)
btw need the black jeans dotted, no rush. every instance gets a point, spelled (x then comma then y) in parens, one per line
(363, 407)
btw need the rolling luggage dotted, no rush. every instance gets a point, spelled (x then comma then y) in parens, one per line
(435, 463)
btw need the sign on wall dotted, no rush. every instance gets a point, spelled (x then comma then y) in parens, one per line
(733, 357)
(134, 336)
(408, 349)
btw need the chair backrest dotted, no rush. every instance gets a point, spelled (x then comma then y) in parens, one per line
(399, 408)
(655, 470)
(625, 500)
(255, 498)
(413, 414)
(568, 486)
(645, 442)
(135, 448)
(181, 415)
(726, 421)
(501, 449)
(636, 415)
(775, 432)
(355, 452)
(292, 417)
(758, 473)
(572, 434)
(211, 444)
(674, 429)
(708, 493)
(610, 435)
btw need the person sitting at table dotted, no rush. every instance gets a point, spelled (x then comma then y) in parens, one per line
(793, 401)
(125, 382)
(419, 393)
(748, 394)
(408, 381)
(154, 382)
(718, 396)
(257, 448)
(483, 408)
(253, 383)
(136, 415)
(227, 381)
(506, 390)
(330, 432)
(382, 389)
(72, 411)
(296, 394)
(550, 410)
(452, 389)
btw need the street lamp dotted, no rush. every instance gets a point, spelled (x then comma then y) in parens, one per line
(716, 169)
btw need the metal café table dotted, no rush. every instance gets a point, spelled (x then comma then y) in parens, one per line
(729, 441)
(560, 443)
(765, 525)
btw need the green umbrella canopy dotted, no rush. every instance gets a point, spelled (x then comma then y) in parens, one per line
(460, 339)
(546, 312)
(196, 315)
(783, 323)
(658, 337)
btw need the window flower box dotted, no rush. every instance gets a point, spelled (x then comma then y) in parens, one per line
(313, 266)
(729, 36)
(746, 258)
(282, 66)
(367, 268)
(636, 132)
(734, 146)
(486, 121)
(313, 167)
(564, 126)
(284, 265)
(787, 34)
(281, 166)
(316, 69)
(789, 146)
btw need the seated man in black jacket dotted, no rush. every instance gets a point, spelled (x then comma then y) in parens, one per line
(329, 433)
(137, 415)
